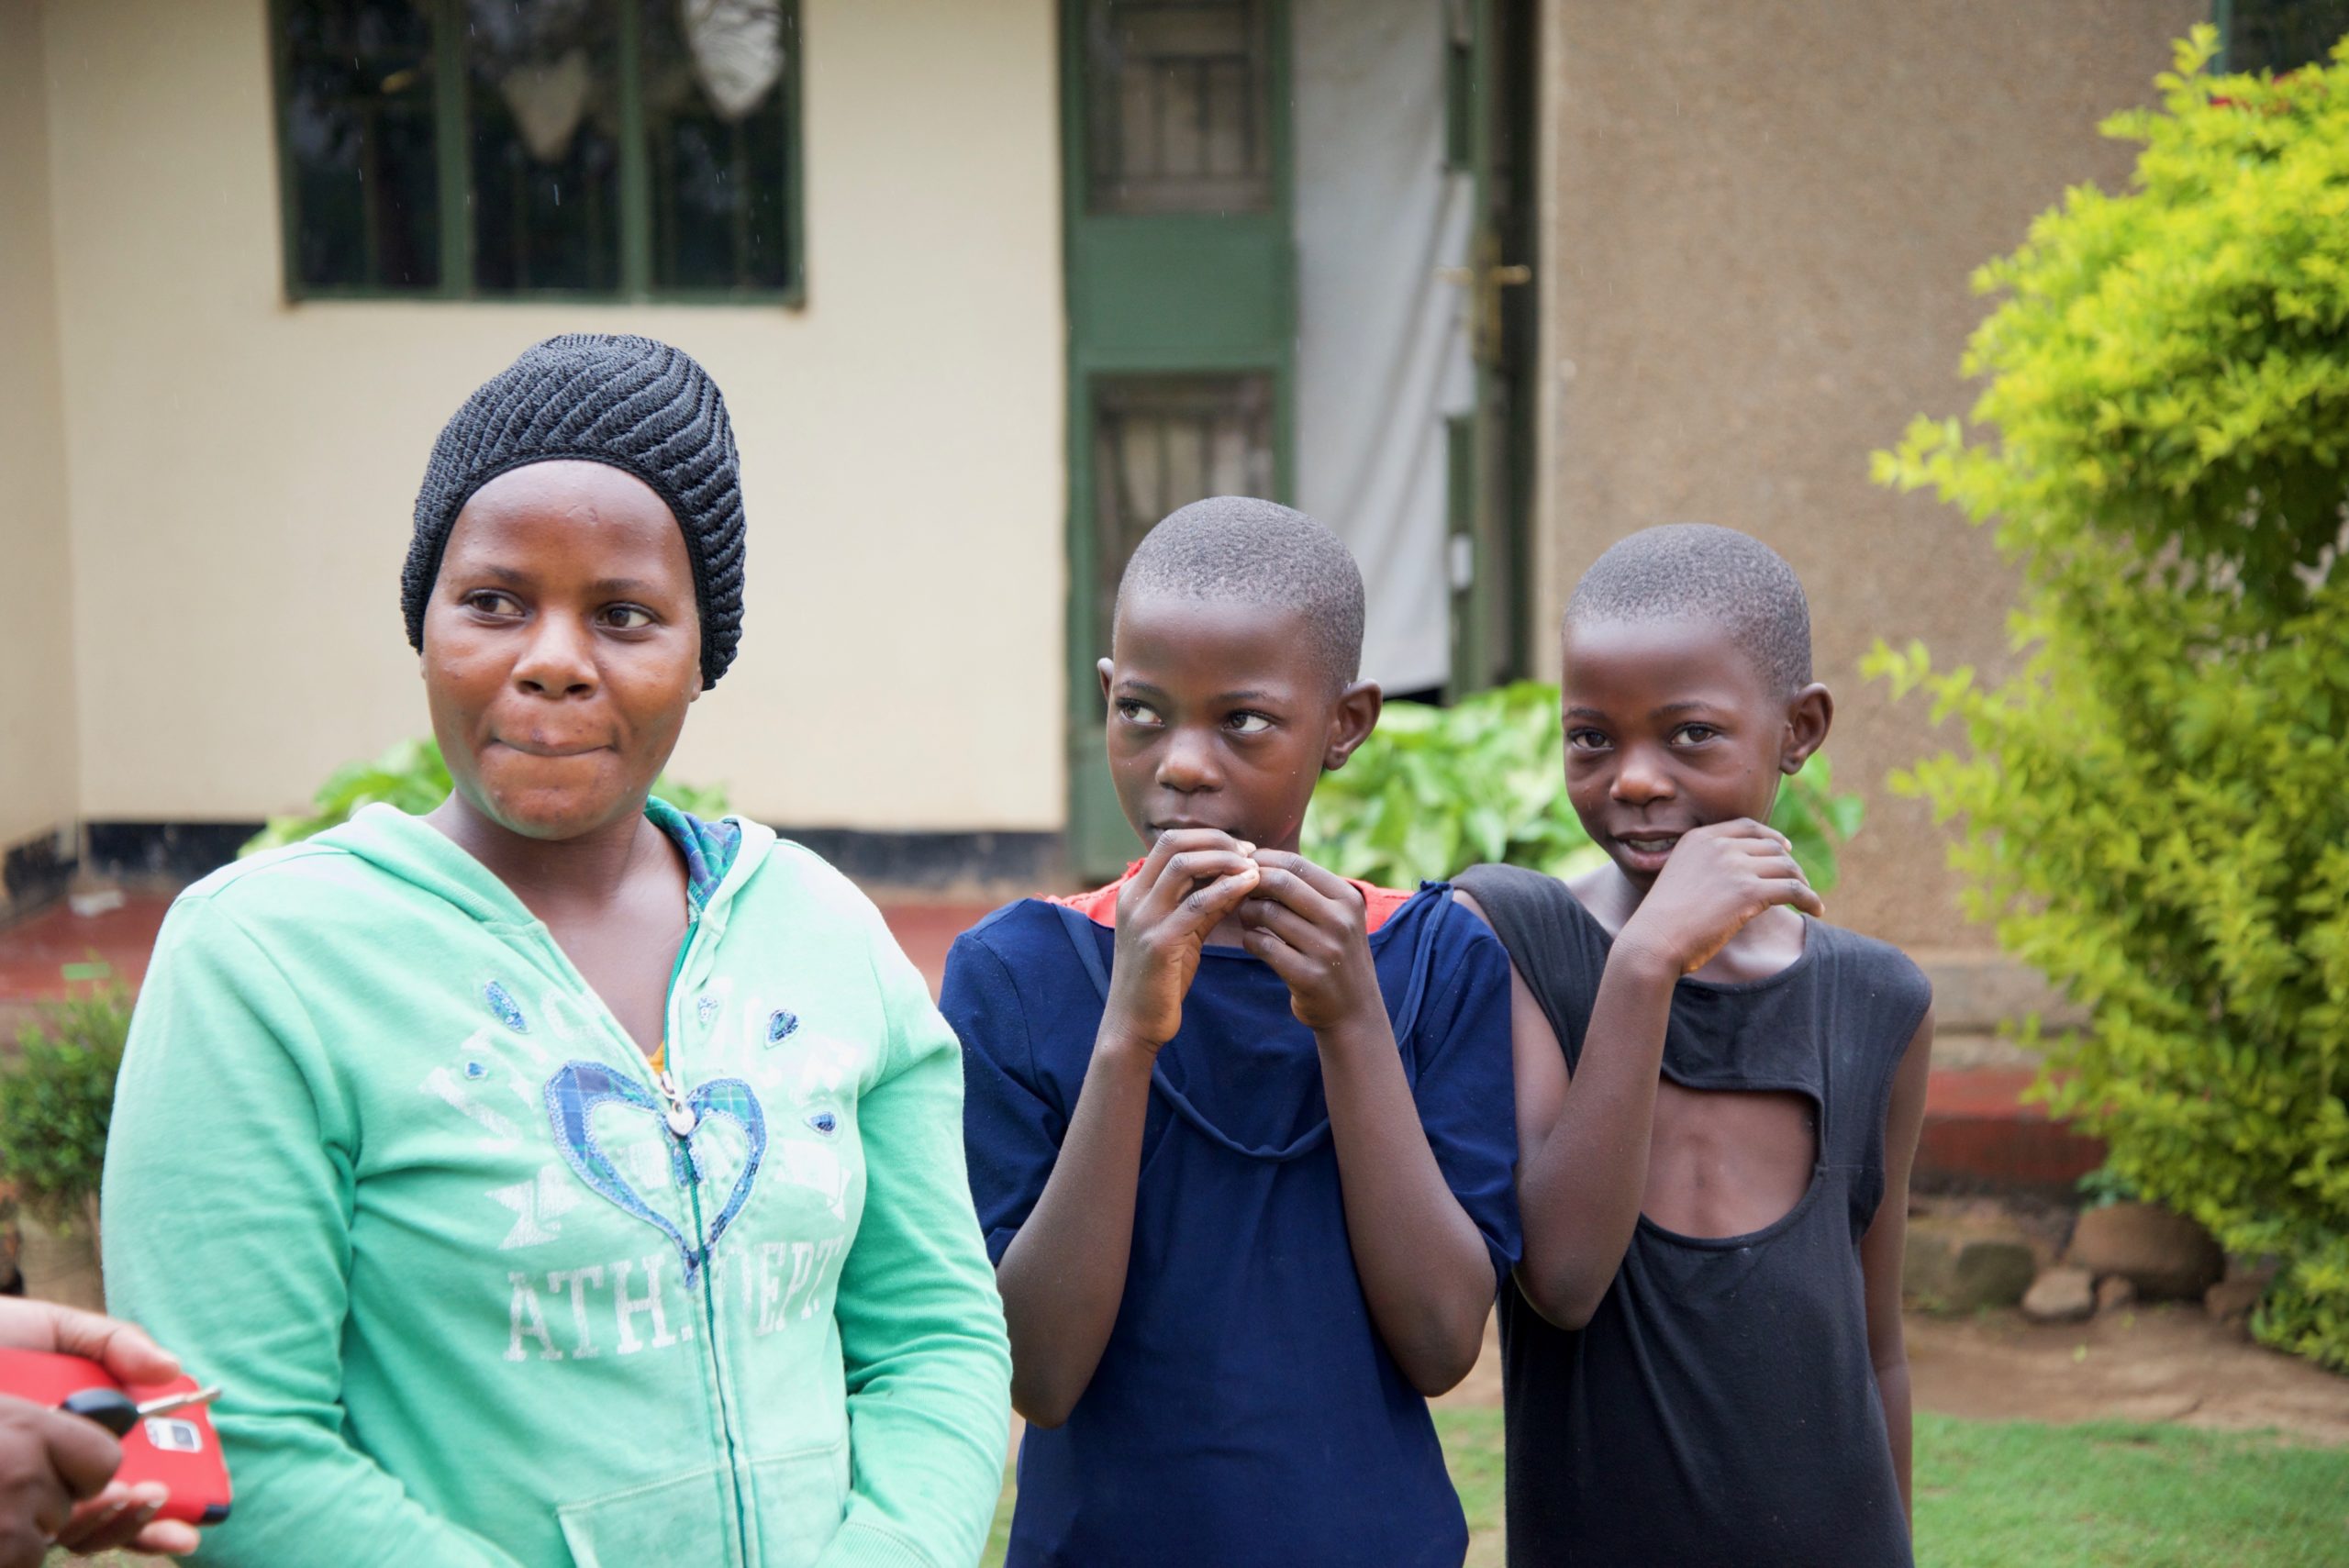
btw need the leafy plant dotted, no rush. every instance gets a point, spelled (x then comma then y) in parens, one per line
(2101, 1189)
(2153, 809)
(413, 778)
(1435, 790)
(57, 1099)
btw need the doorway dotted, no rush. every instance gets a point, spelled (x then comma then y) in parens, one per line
(1297, 247)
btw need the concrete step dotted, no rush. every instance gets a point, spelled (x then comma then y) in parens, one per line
(1982, 1135)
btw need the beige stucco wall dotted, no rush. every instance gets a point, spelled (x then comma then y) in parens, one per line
(37, 738)
(242, 469)
(1765, 216)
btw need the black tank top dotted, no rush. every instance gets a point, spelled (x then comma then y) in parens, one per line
(1720, 1408)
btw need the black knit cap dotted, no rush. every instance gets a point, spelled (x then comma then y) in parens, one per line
(633, 404)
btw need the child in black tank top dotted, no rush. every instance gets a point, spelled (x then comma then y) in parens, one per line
(1719, 1098)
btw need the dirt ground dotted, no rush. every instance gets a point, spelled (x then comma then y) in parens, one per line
(2152, 1363)
(2155, 1364)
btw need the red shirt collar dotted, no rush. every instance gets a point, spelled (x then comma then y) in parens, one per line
(1100, 905)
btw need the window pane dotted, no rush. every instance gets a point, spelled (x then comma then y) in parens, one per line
(544, 113)
(1165, 441)
(358, 144)
(2284, 35)
(718, 121)
(1177, 99)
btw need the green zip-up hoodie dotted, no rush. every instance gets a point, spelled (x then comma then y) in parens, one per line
(480, 1290)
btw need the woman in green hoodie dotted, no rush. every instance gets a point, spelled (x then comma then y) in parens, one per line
(557, 1178)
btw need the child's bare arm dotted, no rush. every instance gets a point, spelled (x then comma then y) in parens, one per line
(1064, 1275)
(1887, 1235)
(1580, 1186)
(1536, 1062)
(1581, 1157)
(1425, 1269)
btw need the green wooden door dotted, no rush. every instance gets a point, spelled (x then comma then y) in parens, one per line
(1181, 312)
(1492, 110)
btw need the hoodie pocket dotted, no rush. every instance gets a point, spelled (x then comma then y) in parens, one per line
(680, 1519)
(801, 1497)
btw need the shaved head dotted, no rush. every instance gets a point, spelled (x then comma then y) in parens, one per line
(1235, 548)
(1697, 572)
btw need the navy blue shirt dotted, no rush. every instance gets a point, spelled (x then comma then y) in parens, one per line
(1245, 1409)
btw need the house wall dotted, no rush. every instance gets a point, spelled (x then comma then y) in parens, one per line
(1764, 219)
(242, 469)
(1761, 222)
(37, 709)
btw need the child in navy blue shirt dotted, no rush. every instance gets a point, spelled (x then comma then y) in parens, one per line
(1240, 1132)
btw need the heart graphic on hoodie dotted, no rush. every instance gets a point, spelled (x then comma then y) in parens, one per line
(578, 1088)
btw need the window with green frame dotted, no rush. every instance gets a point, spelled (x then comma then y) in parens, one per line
(511, 148)
(2279, 35)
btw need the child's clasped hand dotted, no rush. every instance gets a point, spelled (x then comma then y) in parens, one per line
(1191, 880)
(1720, 876)
(1311, 926)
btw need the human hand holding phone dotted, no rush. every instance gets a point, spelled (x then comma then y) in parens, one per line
(59, 1472)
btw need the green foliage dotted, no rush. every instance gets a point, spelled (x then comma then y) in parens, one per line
(57, 1098)
(1435, 790)
(412, 777)
(2153, 809)
(2101, 1189)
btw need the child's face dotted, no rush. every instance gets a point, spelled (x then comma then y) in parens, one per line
(561, 647)
(1671, 725)
(1220, 716)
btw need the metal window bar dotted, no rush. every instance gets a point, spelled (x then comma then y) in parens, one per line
(644, 223)
(1163, 441)
(1176, 91)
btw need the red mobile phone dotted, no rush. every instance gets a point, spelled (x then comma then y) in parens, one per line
(179, 1449)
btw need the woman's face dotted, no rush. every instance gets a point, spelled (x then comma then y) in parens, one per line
(561, 647)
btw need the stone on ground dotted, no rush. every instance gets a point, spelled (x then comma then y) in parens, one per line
(1959, 1265)
(2114, 1292)
(2167, 1256)
(2231, 1300)
(2061, 1294)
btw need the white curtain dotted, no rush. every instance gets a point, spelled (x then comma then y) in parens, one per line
(1383, 347)
(737, 50)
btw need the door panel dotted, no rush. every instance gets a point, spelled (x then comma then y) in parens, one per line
(1181, 252)
(1180, 291)
(1181, 306)
(1161, 441)
(1178, 107)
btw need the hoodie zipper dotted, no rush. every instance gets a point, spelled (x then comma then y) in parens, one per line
(681, 1118)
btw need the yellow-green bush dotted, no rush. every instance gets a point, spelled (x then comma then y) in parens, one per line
(2156, 809)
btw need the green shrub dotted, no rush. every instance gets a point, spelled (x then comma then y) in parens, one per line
(56, 1100)
(1437, 789)
(412, 777)
(2155, 810)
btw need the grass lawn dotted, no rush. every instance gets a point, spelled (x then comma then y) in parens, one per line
(1993, 1494)
(2084, 1496)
